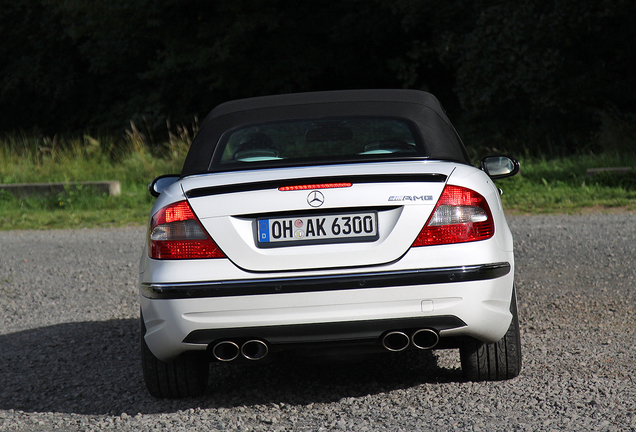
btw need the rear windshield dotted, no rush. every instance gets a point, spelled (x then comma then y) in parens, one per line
(322, 141)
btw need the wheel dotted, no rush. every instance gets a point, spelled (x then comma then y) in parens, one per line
(186, 376)
(494, 361)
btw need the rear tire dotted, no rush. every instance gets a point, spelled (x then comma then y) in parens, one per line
(186, 376)
(494, 361)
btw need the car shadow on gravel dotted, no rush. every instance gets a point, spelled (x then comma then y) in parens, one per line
(94, 368)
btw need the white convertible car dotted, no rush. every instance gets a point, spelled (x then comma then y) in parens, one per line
(333, 222)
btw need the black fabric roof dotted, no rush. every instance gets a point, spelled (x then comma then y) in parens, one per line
(421, 108)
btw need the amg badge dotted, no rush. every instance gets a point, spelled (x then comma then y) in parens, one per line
(411, 198)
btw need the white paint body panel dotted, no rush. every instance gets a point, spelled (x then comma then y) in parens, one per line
(482, 305)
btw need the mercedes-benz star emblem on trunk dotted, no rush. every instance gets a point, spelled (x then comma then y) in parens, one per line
(315, 198)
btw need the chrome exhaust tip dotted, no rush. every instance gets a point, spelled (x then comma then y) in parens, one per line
(254, 349)
(395, 341)
(425, 339)
(226, 351)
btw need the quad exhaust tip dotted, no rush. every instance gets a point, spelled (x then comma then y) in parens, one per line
(227, 351)
(395, 341)
(422, 339)
(254, 349)
(425, 339)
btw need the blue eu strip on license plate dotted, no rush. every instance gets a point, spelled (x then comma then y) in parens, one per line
(263, 230)
(297, 230)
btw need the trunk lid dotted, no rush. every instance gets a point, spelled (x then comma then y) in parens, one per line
(371, 215)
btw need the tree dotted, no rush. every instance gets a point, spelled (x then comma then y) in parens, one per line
(500, 66)
(40, 72)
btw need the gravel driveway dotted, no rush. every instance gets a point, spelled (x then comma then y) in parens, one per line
(69, 360)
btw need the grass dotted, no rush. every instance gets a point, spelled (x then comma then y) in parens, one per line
(543, 186)
(130, 160)
(561, 186)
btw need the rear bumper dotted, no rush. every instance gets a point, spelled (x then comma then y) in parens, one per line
(346, 309)
(358, 332)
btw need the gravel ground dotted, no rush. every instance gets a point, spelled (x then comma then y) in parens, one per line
(69, 360)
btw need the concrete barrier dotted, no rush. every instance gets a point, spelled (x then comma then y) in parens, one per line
(40, 190)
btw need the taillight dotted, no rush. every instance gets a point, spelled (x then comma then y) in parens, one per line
(175, 233)
(461, 215)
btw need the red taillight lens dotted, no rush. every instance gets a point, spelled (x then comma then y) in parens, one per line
(175, 233)
(461, 215)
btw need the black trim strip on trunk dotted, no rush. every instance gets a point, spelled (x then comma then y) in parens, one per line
(324, 283)
(274, 184)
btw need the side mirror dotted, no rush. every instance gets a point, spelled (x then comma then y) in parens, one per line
(498, 167)
(161, 183)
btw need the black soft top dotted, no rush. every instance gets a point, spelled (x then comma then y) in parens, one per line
(420, 108)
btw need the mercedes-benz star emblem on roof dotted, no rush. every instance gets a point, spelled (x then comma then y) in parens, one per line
(315, 198)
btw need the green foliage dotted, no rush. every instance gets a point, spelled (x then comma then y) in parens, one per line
(538, 76)
(26, 159)
(534, 74)
(41, 77)
(617, 132)
(544, 185)
(75, 209)
(561, 185)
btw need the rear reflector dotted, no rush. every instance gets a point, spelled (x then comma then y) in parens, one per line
(461, 215)
(176, 233)
(314, 186)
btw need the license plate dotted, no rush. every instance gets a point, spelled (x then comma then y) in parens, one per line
(297, 230)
